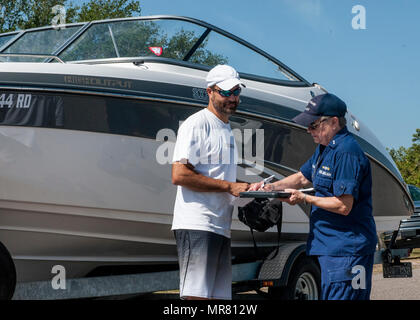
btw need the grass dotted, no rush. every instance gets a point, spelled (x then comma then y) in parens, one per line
(415, 253)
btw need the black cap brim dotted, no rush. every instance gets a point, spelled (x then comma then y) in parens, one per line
(305, 119)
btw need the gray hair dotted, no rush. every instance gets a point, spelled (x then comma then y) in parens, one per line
(341, 121)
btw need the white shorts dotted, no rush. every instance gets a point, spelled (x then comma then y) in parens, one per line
(205, 265)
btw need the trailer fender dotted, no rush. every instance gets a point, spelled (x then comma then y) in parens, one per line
(279, 263)
(290, 274)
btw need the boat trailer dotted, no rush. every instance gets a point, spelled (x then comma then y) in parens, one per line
(271, 272)
(275, 272)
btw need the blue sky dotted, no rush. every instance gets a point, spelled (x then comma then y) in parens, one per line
(375, 70)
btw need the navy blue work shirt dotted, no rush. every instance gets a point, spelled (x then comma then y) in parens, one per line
(340, 168)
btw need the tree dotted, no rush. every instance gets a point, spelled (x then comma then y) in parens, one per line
(132, 39)
(106, 9)
(12, 14)
(39, 13)
(25, 14)
(408, 160)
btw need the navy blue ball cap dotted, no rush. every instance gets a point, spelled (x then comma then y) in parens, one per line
(326, 104)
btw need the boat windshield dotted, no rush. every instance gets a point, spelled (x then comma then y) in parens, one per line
(5, 39)
(415, 192)
(181, 39)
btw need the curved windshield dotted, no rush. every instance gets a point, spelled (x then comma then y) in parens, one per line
(225, 50)
(5, 39)
(182, 39)
(415, 192)
(41, 42)
(163, 38)
(46, 41)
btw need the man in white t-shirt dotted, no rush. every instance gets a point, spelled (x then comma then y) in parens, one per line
(204, 169)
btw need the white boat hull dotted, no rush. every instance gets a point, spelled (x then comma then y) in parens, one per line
(84, 200)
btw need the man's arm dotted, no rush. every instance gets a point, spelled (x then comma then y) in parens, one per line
(185, 175)
(294, 181)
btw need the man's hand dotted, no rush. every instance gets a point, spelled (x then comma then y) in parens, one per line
(255, 186)
(258, 186)
(236, 187)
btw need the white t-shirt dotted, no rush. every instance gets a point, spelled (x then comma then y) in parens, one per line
(209, 145)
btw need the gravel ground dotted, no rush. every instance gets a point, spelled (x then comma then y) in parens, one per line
(396, 288)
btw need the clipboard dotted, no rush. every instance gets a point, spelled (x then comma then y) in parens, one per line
(264, 194)
(272, 194)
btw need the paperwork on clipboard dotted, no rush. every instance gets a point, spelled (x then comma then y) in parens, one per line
(271, 194)
(243, 201)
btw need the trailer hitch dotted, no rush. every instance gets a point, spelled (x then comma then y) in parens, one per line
(392, 267)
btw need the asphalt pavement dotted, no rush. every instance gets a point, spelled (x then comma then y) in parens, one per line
(396, 288)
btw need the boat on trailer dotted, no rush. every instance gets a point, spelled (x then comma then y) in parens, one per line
(88, 119)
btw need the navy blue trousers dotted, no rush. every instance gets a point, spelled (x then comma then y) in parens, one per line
(346, 278)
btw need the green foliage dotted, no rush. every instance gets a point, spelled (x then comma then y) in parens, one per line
(408, 160)
(181, 43)
(25, 14)
(132, 38)
(107, 9)
(12, 14)
(39, 13)
(206, 57)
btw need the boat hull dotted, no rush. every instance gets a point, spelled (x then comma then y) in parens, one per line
(85, 175)
(86, 145)
(87, 200)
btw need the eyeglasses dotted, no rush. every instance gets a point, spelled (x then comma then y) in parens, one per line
(228, 93)
(314, 126)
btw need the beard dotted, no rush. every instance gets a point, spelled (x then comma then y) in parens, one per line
(227, 107)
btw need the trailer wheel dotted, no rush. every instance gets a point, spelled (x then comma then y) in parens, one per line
(7, 274)
(304, 282)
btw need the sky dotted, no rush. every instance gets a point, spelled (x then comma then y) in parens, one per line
(375, 70)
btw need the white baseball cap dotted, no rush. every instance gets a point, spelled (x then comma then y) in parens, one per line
(224, 76)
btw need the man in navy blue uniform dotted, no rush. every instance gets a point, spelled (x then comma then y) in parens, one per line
(342, 229)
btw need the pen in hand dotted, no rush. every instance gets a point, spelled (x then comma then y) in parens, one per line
(266, 180)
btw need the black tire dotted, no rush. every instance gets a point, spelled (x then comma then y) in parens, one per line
(7, 274)
(304, 282)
